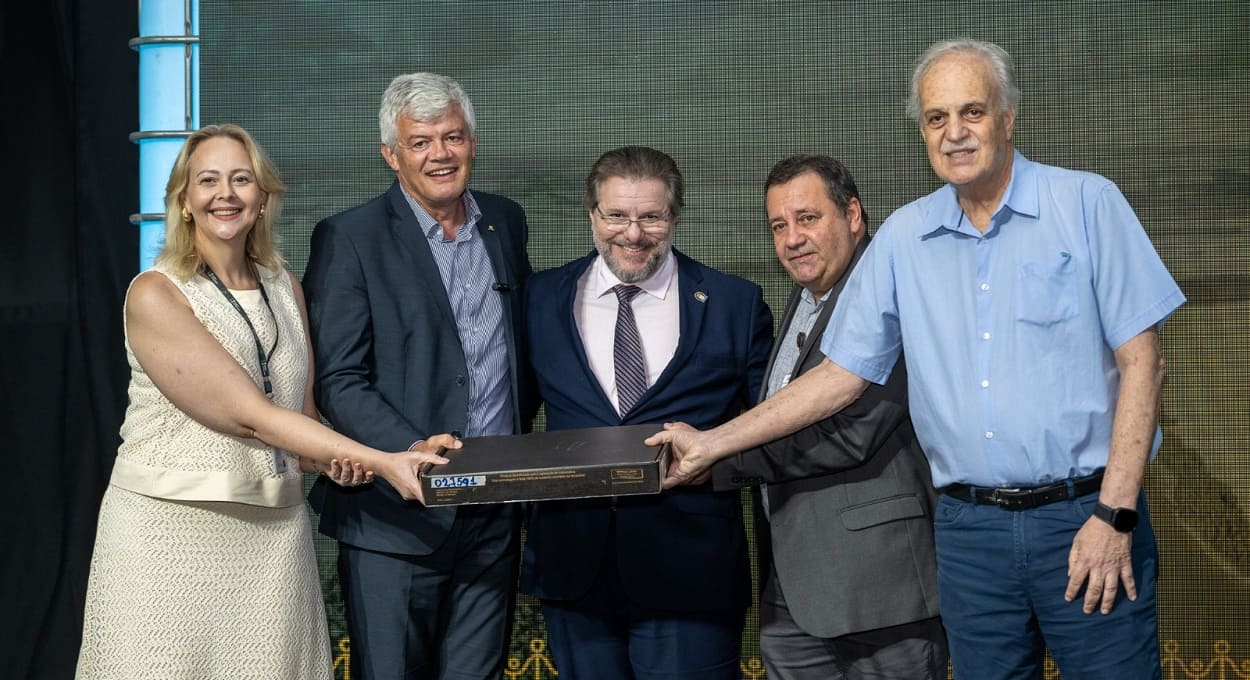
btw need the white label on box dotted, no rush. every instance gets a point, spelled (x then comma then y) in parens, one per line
(457, 481)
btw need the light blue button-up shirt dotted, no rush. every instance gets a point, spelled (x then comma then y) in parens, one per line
(1010, 334)
(468, 276)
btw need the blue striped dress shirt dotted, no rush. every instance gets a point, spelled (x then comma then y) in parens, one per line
(467, 276)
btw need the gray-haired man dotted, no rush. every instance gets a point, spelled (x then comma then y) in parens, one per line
(1029, 299)
(413, 298)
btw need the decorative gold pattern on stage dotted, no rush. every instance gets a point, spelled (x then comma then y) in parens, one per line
(537, 664)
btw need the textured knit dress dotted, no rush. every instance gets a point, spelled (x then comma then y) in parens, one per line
(203, 564)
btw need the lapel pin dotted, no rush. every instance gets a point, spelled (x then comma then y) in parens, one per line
(490, 227)
(700, 296)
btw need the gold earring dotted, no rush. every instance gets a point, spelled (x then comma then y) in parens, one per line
(262, 211)
(186, 216)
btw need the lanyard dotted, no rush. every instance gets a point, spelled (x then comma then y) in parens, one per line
(261, 355)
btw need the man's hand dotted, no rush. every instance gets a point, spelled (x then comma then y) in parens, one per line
(403, 470)
(1101, 556)
(690, 461)
(344, 473)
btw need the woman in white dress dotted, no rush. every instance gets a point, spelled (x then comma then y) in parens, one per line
(203, 564)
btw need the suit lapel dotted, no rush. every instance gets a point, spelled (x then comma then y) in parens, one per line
(568, 326)
(498, 264)
(693, 301)
(409, 234)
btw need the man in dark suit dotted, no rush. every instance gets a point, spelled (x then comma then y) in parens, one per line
(635, 332)
(414, 298)
(850, 588)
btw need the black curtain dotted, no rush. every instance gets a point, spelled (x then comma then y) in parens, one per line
(70, 101)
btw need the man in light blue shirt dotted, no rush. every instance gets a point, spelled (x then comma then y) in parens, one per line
(1029, 299)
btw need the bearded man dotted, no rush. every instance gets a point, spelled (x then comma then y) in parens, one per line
(652, 586)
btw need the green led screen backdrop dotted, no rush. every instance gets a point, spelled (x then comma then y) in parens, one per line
(1154, 95)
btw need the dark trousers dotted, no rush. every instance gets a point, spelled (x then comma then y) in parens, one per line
(442, 616)
(606, 636)
(912, 651)
(1001, 577)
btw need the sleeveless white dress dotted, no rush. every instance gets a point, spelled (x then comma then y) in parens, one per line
(203, 564)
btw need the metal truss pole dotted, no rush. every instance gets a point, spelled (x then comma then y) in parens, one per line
(169, 103)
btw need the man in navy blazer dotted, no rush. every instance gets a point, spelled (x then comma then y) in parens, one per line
(613, 573)
(414, 306)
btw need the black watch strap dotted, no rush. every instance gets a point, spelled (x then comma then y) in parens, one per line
(1122, 520)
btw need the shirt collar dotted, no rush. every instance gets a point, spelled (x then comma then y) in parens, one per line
(944, 214)
(433, 230)
(657, 285)
(810, 299)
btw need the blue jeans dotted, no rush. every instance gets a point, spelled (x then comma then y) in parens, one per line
(1001, 577)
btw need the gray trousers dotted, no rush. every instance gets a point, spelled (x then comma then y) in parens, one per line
(442, 616)
(912, 651)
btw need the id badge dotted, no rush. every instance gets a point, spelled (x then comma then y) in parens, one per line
(279, 460)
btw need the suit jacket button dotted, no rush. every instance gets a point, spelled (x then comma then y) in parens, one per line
(460, 380)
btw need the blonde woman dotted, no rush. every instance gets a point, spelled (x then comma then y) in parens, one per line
(203, 564)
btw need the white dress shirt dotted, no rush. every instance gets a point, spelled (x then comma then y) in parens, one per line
(656, 313)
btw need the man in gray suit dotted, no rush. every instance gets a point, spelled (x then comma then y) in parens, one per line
(847, 557)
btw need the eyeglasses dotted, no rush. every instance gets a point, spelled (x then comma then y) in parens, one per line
(645, 223)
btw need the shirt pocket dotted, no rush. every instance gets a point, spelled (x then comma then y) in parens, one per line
(1046, 290)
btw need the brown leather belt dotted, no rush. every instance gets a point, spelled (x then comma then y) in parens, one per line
(1024, 498)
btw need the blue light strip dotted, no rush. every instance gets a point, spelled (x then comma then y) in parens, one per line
(169, 98)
